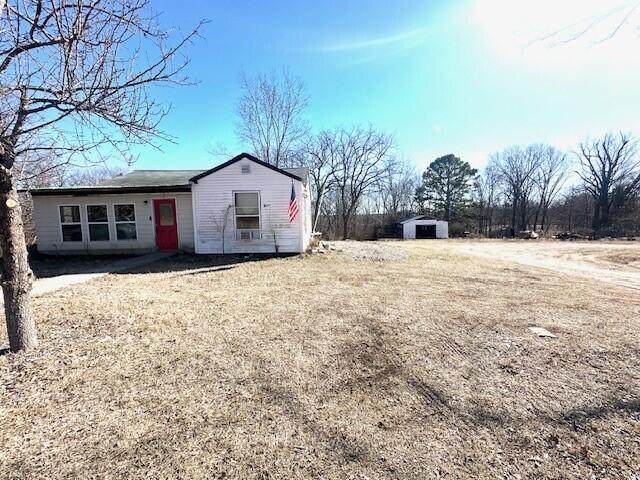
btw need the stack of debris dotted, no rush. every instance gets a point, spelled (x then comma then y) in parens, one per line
(570, 236)
(528, 234)
(323, 247)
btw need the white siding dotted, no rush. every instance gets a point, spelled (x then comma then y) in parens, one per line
(308, 227)
(49, 234)
(442, 230)
(213, 194)
(409, 228)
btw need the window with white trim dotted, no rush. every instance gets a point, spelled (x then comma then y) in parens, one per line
(98, 223)
(125, 220)
(247, 206)
(70, 223)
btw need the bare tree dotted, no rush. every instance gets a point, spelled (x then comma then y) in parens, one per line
(574, 211)
(271, 117)
(40, 170)
(74, 76)
(320, 157)
(517, 167)
(221, 223)
(486, 198)
(609, 165)
(364, 158)
(93, 175)
(65, 175)
(550, 177)
(603, 26)
(328, 214)
(397, 190)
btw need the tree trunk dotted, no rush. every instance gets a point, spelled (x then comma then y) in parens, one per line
(604, 211)
(537, 215)
(513, 218)
(597, 215)
(523, 221)
(16, 277)
(490, 222)
(345, 226)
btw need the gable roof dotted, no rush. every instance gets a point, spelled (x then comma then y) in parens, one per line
(301, 172)
(161, 181)
(237, 158)
(418, 217)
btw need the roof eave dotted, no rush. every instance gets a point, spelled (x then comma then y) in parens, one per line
(107, 190)
(237, 158)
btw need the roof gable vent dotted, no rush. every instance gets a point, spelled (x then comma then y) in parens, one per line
(246, 168)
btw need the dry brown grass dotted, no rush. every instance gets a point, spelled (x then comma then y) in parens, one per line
(328, 367)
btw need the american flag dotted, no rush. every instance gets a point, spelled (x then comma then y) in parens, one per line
(293, 205)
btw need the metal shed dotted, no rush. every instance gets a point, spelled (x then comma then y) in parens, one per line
(423, 226)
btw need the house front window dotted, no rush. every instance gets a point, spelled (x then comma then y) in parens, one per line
(98, 223)
(70, 223)
(247, 209)
(125, 219)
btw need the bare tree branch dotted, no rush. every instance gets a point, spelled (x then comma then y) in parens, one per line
(609, 165)
(75, 77)
(271, 117)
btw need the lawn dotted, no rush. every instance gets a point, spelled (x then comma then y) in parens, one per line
(413, 361)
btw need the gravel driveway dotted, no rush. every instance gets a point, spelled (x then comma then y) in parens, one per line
(612, 262)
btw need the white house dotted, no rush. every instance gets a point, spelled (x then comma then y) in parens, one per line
(240, 206)
(424, 227)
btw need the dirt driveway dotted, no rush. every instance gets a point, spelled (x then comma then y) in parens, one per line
(612, 262)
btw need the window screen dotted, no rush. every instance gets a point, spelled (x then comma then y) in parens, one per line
(125, 218)
(247, 213)
(98, 221)
(70, 223)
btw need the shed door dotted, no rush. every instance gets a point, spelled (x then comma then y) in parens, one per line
(425, 231)
(166, 225)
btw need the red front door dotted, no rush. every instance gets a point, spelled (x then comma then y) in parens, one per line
(166, 225)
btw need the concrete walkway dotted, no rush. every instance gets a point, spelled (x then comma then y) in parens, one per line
(46, 285)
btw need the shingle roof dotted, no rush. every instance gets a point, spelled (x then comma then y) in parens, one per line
(149, 181)
(302, 173)
(152, 178)
(242, 156)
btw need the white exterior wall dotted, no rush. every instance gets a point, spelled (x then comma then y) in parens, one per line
(49, 232)
(213, 194)
(308, 227)
(409, 228)
(442, 230)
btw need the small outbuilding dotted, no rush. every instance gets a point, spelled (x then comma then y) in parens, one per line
(424, 227)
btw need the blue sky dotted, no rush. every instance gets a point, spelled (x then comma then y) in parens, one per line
(467, 77)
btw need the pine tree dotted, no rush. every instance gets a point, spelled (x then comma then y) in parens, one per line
(446, 185)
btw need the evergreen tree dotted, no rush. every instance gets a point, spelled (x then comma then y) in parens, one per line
(446, 185)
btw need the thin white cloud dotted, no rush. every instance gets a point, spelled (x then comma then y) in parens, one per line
(408, 39)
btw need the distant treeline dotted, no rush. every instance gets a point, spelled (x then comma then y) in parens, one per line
(592, 191)
(362, 186)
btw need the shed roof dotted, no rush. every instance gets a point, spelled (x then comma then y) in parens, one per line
(418, 217)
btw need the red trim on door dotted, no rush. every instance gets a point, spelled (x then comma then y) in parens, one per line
(166, 223)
